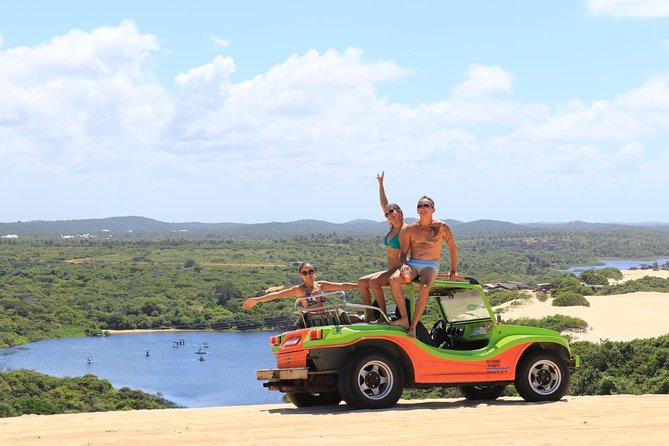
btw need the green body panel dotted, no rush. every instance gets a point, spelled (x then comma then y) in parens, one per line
(503, 337)
(500, 337)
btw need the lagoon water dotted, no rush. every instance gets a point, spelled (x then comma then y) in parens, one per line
(225, 378)
(620, 264)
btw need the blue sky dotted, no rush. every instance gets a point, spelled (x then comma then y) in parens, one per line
(259, 111)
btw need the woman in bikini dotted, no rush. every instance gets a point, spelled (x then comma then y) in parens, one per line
(373, 282)
(309, 289)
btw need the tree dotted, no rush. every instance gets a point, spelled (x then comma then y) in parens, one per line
(593, 277)
(226, 291)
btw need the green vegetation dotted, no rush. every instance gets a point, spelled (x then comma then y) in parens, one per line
(570, 283)
(53, 287)
(611, 273)
(570, 299)
(28, 392)
(500, 297)
(594, 277)
(637, 367)
(557, 322)
(646, 283)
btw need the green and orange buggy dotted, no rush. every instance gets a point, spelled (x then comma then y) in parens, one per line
(369, 365)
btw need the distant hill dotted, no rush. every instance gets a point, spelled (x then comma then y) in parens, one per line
(585, 226)
(122, 227)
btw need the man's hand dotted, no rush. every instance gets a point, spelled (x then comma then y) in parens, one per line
(249, 303)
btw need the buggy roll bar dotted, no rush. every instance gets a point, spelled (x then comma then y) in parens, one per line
(327, 312)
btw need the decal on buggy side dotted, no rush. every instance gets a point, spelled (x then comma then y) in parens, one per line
(494, 367)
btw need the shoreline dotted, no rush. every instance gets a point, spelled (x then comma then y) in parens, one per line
(617, 317)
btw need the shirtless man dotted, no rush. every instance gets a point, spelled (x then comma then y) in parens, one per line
(424, 240)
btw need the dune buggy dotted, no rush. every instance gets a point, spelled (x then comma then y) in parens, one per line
(369, 365)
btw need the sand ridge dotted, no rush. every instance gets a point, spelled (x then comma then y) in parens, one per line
(620, 317)
(597, 420)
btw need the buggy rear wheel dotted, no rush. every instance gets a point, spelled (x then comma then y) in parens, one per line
(482, 392)
(371, 379)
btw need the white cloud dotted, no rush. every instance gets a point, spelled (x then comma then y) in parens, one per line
(82, 98)
(601, 121)
(89, 131)
(483, 80)
(220, 43)
(642, 9)
(653, 94)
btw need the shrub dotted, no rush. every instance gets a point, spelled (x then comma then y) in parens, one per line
(572, 283)
(557, 322)
(611, 273)
(570, 299)
(594, 277)
(500, 297)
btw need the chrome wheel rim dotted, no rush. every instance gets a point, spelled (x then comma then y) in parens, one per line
(544, 377)
(375, 380)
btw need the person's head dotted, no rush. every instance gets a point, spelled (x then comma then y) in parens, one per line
(394, 214)
(307, 269)
(425, 205)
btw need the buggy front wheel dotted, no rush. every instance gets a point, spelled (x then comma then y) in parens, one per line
(542, 375)
(300, 399)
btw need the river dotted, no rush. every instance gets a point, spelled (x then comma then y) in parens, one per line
(619, 264)
(226, 376)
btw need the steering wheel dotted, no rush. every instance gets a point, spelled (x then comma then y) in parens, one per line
(439, 334)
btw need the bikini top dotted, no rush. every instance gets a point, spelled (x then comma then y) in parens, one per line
(314, 300)
(394, 242)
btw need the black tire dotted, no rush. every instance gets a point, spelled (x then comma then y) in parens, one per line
(542, 375)
(482, 392)
(371, 379)
(314, 399)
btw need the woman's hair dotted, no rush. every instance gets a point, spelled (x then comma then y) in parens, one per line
(303, 264)
(394, 206)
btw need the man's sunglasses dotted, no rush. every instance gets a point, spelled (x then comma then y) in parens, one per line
(392, 211)
(310, 272)
(424, 205)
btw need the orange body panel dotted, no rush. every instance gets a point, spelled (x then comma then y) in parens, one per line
(294, 355)
(428, 368)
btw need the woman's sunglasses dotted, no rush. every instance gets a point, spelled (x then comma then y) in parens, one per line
(392, 211)
(308, 273)
(423, 205)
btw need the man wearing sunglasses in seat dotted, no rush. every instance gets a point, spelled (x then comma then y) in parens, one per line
(423, 240)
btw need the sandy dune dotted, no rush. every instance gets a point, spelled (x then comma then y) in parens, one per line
(616, 317)
(598, 420)
(638, 274)
(594, 420)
